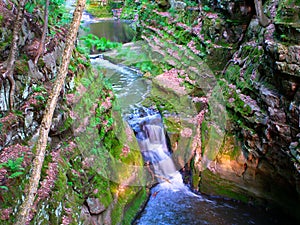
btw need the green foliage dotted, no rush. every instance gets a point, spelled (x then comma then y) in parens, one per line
(58, 14)
(99, 11)
(145, 66)
(38, 88)
(206, 8)
(93, 42)
(29, 7)
(85, 82)
(14, 167)
(40, 98)
(4, 188)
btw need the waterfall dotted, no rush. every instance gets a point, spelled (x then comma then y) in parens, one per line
(148, 127)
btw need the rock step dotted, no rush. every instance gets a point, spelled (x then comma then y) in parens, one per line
(177, 51)
(172, 58)
(197, 71)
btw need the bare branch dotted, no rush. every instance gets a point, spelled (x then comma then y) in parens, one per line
(47, 118)
(9, 73)
(41, 48)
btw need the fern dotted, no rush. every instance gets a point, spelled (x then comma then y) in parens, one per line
(4, 188)
(16, 174)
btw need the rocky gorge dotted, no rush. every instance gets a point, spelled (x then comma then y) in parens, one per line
(225, 77)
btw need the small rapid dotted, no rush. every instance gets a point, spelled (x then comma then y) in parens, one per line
(171, 202)
(128, 83)
(148, 127)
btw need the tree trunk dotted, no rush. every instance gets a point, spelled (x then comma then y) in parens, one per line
(41, 48)
(262, 18)
(47, 118)
(10, 64)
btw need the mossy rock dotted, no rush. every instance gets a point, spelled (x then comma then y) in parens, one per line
(213, 184)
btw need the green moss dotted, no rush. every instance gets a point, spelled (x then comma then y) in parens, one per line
(214, 185)
(212, 142)
(134, 206)
(99, 11)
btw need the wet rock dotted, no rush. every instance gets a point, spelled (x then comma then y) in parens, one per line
(95, 206)
(86, 217)
(277, 115)
(35, 74)
(28, 119)
(271, 98)
(287, 58)
(52, 59)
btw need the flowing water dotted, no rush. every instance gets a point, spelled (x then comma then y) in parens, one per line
(171, 202)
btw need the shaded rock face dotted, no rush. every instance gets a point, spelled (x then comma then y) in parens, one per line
(265, 78)
(75, 184)
(257, 67)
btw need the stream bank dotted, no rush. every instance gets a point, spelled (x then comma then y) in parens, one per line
(249, 127)
(82, 179)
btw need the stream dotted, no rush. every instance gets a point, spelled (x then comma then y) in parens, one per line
(171, 202)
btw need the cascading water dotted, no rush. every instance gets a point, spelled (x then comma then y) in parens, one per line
(148, 127)
(171, 202)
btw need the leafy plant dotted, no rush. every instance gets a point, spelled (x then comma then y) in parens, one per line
(4, 188)
(38, 88)
(93, 42)
(206, 8)
(14, 166)
(30, 7)
(40, 98)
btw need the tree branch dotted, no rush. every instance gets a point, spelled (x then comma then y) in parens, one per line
(9, 73)
(41, 48)
(47, 118)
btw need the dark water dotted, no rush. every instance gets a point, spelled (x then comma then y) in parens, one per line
(113, 30)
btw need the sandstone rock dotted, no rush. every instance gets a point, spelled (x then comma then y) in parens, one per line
(95, 206)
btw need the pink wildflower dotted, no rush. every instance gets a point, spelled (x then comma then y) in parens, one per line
(125, 151)
(5, 214)
(186, 132)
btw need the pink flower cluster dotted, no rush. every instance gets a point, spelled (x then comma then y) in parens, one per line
(184, 26)
(67, 219)
(186, 132)
(199, 117)
(125, 151)
(15, 151)
(163, 14)
(171, 80)
(197, 29)
(200, 99)
(192, 46)
(5, 213)
(47, 184)
(107, 103)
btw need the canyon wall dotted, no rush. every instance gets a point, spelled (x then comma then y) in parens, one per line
(249, 145)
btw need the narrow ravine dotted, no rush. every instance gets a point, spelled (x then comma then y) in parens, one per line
(171, 201)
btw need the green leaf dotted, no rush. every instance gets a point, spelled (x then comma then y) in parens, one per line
(206, 8)
(29, 7)
(4, 188)
(16, 174)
